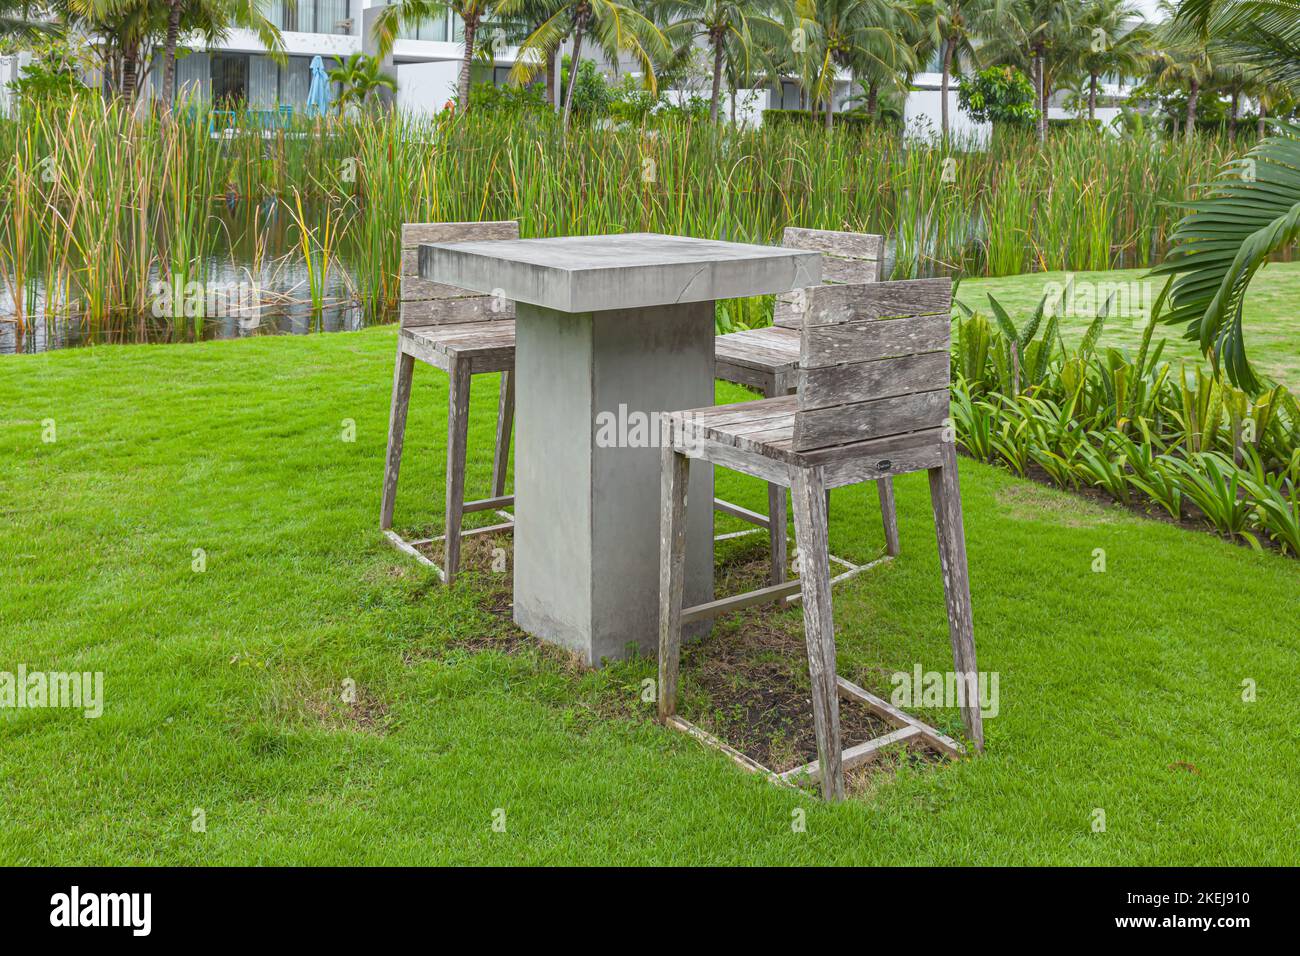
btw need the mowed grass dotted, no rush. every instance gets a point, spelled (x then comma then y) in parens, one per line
(1120, 692)
(1271, 320)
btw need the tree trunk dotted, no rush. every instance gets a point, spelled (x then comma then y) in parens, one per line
(1042, 94)
(873, 101)
(715, 101)
(943, 88)
(1193, 94)
(1260, 126)
(1092, 96)
(574, 62)
(734, 92)
(462, 84)
(551, 59)
(169, 54)
(130, 71)
(830, 106)
(1232, 115)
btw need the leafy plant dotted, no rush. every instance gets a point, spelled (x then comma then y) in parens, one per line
(998, 94)
(1213, 483)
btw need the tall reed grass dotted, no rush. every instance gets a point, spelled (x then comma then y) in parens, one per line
(96, 201)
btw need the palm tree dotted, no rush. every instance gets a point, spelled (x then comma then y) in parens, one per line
(408, 13)
(1042, 36)
(848, 35)
(360, 77)
(722, 24)
(1183, 60)
(1117, 43)
(1262, 35)
(614, 27)
(16, 21)
(213, 18)
(953, 28)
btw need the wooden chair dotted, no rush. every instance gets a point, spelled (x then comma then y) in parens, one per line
(871, 403)
(465, 334)
(768, 360)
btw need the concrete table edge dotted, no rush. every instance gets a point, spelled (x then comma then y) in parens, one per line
(574, 287)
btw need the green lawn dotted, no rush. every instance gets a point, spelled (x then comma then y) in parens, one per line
(1120, 691)
(1271, 320)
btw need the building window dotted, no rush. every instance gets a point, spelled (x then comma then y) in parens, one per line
(308, 16)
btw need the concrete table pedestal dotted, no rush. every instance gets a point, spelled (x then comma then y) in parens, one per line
(610, 332)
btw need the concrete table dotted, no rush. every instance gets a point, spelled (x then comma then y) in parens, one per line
(610, 331)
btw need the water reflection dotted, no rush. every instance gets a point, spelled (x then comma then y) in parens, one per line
(254, 247)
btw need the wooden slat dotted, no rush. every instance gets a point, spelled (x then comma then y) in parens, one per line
(822, 427)
(864, 381)
(857, 756)
(835, 269)
(873, 339)
(845, 465)
(477, 308)
(770, 349)
(415, 233)
(760, 379)
(490, 504)
(785, 314)
(833, 304)
(744, 514)
(854, 245)
(703, 612)
(887, 711)
(706, 738)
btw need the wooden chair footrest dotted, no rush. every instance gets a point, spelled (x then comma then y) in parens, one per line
(775, 592)
(888, 712)
(489, 504)
(744, 514)
(857, 756)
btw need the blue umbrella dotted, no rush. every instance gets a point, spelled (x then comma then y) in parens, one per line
(318, 95)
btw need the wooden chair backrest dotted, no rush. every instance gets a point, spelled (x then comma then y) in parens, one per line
(425, 302)
(874, 362)
(846, 257)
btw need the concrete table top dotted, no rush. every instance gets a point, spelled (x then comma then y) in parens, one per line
(625, 271)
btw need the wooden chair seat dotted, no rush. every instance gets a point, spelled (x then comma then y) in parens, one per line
(757, 357)
(488, 346)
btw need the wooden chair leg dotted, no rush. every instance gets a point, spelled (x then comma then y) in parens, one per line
(672, 564)
(402, 375)
(457, 441)
(945, 499)
(888, 514)
(505, 422)
(808, 494)
(776, 517)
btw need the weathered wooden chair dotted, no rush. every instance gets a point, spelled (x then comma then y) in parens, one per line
(871, 403)
(768, 360)
(464, 334)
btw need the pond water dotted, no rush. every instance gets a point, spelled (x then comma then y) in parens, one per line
(252, 280)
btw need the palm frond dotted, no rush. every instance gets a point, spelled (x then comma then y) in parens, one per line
(1251, 211)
